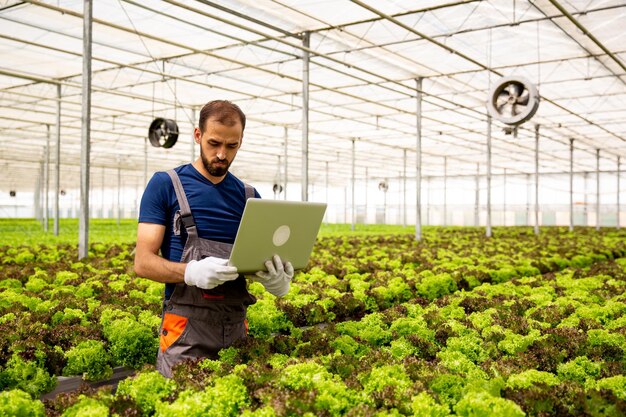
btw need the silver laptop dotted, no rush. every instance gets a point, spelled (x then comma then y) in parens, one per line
(268, 227)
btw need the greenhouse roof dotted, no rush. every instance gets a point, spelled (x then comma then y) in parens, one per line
(168, 58)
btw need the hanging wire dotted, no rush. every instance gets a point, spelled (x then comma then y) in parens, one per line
(489, 53)
(176, 102)
(514, 11)
(161, 71)
(538, 83)
(458, 29)
(153, 93)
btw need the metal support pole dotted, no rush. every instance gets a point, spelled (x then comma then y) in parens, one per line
(429, 199)
(327, 202)
(404, 190)
(445, 190)
(103, 179)
(504, 199)
(57, 163)
(279, 179)
(306, 39)
(286, 136)
(477, 197)
(618, 185)
(193, 136)
(399, 215)
(586, 199)
(145, 162)
(136, 202)
(83, 225)
(119, 188)
(385, 204)
(418, 165)
(366, 199)
(488, 231)
(345, 204)
(598, 189)
(38, 196)
(536, 179)
(46, 181)
(571, 184)
(528, 192)
(353, 183)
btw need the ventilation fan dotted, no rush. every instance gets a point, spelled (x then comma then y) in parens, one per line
(513, 100)
(163, 133)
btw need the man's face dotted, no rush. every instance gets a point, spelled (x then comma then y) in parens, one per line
(219, 144)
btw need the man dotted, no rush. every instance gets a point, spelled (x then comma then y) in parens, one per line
(191, 215)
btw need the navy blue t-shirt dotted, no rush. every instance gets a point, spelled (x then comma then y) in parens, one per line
(216, 209)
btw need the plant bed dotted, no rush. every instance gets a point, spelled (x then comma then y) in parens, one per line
(452, 323)
(73, 383)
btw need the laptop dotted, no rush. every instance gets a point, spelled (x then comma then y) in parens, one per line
(269, 227)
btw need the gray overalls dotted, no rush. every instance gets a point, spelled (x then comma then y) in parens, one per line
(198, 323)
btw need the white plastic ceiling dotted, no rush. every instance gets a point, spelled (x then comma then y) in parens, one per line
(167, 58)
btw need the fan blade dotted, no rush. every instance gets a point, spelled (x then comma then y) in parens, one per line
(514, 89)
(506, 109)
(523, 99)
(509, 90)
(502, 98)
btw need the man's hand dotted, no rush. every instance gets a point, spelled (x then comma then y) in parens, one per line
(277, 279)
(209, 272)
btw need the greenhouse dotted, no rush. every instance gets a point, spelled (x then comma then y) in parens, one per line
(471, 258)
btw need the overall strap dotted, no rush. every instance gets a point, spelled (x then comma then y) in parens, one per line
(249, 191)
(185, 211)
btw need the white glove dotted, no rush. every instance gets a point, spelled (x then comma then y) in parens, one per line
(209, 272)
(277, 279)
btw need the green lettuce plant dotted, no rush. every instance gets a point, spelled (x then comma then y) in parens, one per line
(225, 397)
(89, 359)
(434, 286)
(131, 343)
(146, 389)
(27, 375)
(424, 405)
(580, 369)
(531, 378)
(17, 403)
(481, 404)
(265, 319)
(616, 384)
(370, 328)
(87, 406)
(330, 393)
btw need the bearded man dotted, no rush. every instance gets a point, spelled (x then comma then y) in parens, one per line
(188, 221)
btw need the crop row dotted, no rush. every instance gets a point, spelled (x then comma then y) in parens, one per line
(382, 307)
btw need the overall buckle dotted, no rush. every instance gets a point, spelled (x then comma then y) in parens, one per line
(187, 220)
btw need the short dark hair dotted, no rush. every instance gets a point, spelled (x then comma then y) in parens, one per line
(224, 112)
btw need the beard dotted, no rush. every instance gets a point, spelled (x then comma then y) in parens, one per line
(216, 167)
